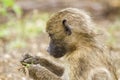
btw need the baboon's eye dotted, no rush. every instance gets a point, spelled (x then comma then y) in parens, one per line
(66, 27)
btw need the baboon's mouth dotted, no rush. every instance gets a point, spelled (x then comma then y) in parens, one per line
(57, 53)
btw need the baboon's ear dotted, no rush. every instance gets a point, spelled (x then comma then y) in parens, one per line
(66, 27)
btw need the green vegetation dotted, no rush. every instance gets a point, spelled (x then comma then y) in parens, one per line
(16, 31)
(9, 4)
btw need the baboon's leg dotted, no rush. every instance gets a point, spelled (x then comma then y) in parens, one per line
(38, 72)
(101, 74)
(53, 67)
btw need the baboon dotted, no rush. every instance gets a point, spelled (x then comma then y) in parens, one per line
(73, 40)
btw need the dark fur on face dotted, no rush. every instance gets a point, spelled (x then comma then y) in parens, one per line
(57, 49)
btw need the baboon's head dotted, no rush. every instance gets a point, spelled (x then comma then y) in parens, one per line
(67, 29)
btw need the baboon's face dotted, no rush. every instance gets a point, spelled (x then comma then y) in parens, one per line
(66, 30)
(58, 46)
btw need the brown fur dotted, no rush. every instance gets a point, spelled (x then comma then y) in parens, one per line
(85, 56)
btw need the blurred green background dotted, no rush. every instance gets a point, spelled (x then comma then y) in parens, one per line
(23, 22)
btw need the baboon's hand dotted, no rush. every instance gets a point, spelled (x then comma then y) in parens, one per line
(50, 67)
(40, 73)
(34, 70)
(28, 59)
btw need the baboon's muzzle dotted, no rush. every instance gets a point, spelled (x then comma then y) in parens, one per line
(56, 51)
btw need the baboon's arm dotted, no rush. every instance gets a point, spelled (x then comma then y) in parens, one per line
(38, 72)
(51, 66)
